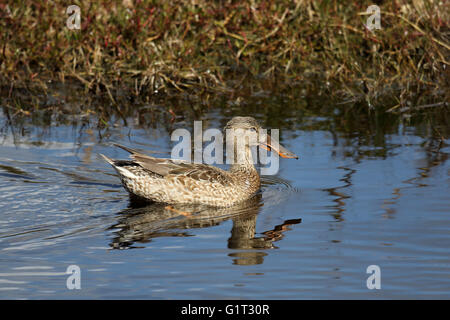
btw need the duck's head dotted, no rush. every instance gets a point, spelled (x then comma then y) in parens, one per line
(248, 126)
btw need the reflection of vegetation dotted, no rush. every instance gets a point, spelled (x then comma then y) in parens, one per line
(357, 133)
(127, 50)
(433, 158)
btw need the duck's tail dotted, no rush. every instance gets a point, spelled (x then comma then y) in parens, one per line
(109, 160)
(121, 166)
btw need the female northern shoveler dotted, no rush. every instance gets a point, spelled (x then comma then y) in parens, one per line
(178, 181)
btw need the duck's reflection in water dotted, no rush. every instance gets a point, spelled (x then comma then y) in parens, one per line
(139, 224)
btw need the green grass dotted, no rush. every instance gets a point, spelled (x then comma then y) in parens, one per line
(148, 49)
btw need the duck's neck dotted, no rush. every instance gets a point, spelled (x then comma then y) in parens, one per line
(244, 168)
(243, 162)
(245, 174)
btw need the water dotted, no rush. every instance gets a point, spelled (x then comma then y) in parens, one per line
(352, 200)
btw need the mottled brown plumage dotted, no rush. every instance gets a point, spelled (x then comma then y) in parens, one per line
(178, 181)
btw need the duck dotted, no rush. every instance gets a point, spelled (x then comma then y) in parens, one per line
(174, 181)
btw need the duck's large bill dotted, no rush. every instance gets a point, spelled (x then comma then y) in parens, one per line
(278, 148)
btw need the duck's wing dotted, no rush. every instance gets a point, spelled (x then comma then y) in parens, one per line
(160, 166)
(201, 172)
(180, 168)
